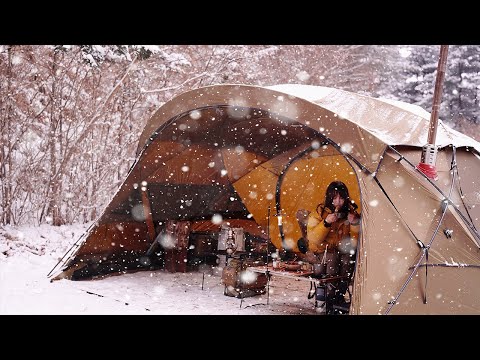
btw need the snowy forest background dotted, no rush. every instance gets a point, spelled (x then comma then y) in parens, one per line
(70, 116)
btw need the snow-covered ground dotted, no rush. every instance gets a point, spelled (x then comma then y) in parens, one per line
(27, 254)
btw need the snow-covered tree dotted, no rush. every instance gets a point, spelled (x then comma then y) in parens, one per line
(461, 85)
(70, 116)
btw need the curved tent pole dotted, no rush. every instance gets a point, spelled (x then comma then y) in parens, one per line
(470, 226)
(425, 250)
(279, 185)
(325, 141)
(455, 169)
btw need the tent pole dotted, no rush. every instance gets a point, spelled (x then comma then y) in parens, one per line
(429, 152)
(279, 186)
(267, 272)
(147, 210)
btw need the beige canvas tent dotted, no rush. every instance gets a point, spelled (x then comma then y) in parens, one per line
(245, 155)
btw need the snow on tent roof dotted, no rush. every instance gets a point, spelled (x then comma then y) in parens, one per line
(394, 122)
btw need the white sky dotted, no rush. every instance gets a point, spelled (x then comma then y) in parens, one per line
(27, 254)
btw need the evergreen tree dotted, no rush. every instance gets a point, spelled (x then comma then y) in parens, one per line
(462, 82)
(460, 89)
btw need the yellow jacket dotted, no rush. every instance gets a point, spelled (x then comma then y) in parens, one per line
(319, 236)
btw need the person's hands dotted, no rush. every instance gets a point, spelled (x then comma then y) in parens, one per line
(331, 218)
(353, 218)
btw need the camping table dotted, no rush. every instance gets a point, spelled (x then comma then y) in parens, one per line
(293, 274)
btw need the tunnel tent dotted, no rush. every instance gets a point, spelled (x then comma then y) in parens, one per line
(232, 152)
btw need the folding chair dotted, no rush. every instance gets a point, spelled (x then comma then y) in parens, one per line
(322, 286)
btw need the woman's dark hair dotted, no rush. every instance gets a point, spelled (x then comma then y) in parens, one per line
(337, 187)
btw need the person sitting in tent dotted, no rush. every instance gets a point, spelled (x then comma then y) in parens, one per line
(332, 235)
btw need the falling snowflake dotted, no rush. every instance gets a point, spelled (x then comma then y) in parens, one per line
(217, 219)
(137, 212)
(347, 148)
(302, 76)
(167, 241)
(239, 149)
(195, 115)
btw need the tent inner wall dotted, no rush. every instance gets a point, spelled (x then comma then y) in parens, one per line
(303, 187)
